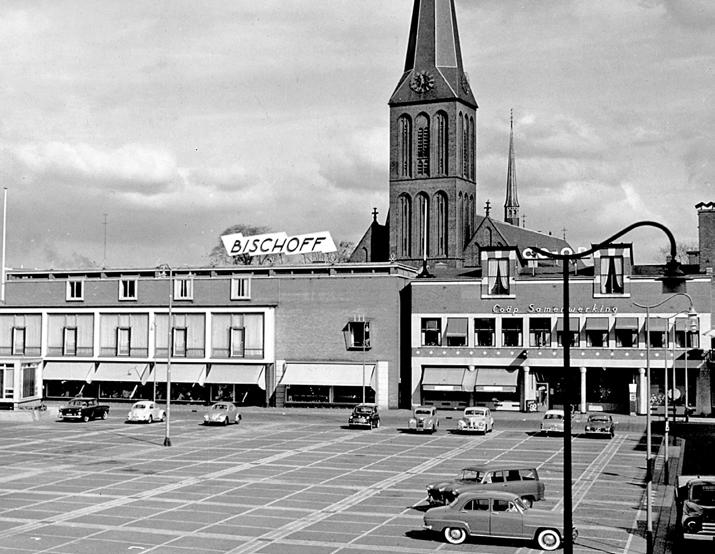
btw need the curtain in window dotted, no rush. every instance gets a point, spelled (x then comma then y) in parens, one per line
(498, 276)
(7, 322)
(253, 324)
(33, 331)
(85, 331)
(612, 270)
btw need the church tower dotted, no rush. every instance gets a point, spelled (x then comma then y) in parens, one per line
(432, 143)
(511, 204)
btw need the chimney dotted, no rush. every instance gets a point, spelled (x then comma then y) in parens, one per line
(706, 234)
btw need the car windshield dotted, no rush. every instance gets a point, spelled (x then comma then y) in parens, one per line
(703, 494)
(553, 416)
(78, 402)
(140, 406)
(220, 407)
(423, 412)
(520, 503)
(600, 419)
(366, 410)
(471, 475)
(475, 413)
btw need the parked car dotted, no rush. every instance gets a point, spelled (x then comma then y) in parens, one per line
(222, 413)
(490, 513)
(424, 418)
(476, 419)
(364, 415)
(600, 424)
(695, 497)
(83, 409)
(518, 479)
(146, 411)
(553, 422)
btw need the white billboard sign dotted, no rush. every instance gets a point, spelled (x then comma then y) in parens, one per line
(278, 243)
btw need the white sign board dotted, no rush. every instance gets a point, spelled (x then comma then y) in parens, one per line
(278, 243)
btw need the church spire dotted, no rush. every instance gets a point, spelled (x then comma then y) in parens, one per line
(511, 205)
(433, 65)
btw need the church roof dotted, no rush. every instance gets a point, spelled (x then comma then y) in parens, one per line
(433, 65)
(520, 237)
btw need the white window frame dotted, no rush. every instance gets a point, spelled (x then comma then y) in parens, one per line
(240, 288)
(125, 292)
(237, 347)
(19, 346)
(365, 344)
(128, 333)
(75, 290)
(184, 288)
(67, 333)
(174, 332)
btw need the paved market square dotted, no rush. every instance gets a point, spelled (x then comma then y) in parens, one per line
(288, 481)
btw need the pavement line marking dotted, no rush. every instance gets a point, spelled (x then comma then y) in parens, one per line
(281, 532)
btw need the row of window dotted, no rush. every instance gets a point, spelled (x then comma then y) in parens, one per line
(183, 289)
(596, 332)
(127, 335)
(610, 277)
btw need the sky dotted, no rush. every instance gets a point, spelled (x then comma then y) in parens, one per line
(134, 133)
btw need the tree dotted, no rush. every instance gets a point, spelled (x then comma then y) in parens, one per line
(219, 256)
(681, 251)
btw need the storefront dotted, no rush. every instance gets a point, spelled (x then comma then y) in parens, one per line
(326, 384)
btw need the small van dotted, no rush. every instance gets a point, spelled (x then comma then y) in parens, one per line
(517, 479)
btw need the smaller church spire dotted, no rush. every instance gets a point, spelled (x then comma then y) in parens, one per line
(511, 205)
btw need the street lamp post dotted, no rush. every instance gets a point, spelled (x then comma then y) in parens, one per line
(671, 274)
(170, 336)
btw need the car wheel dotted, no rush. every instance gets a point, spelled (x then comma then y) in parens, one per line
(225, 421)
(528, 501)
(548, 539)
(454, 535)
(163, 416)
(105, 415)
(151, 419)
(85, 418)
(377, 423)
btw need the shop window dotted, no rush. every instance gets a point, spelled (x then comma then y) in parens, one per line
(431, 331)
(657, 334)
(612, 275)
(485, 331)
(127, 289)
(237, 343)
(123, 341)
(540, 331)
(498, 276)
(357, 335)
(69, 346)
(179, 342)
(18, 341)
(7, 378)
(28, 381)
(240, 288)
(75, 290)
(456, 331)
(184, 289)
(314, 394)
(512, 332)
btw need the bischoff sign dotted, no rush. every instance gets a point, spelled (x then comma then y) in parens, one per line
(278, 243)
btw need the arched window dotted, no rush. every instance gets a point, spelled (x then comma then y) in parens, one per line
(404, 146)
(465, 220)
(404, 228)
(465, 148)
(460, 138)
(423, 218)
(458, 225)
(441, 229)
(471, 213)
(442, 142)
(423, 145)
(472, 149)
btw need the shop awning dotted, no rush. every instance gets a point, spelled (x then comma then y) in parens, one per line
(496, 380)
(342, 375)
(573, 324)
(693, 363)
(597, 324)
(236, 373)
(181, 373)
(67, 371)
(657, 324)
(448, 379)
(122, 372)
(627, 323)
(456, 327)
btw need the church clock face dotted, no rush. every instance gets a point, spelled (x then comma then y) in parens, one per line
(421, 82)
